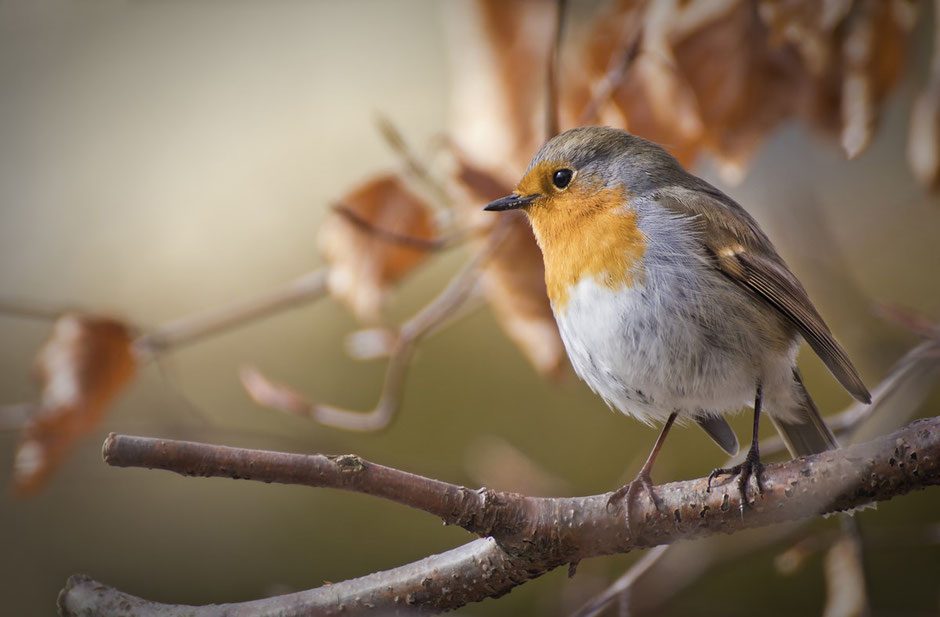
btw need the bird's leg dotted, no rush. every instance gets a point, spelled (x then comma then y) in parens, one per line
(751, 466)
(642, 480)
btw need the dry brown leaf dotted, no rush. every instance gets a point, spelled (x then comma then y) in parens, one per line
(872, 56)
(651, 100)
(514, 284)
(380, 232)
(513, 278)
(808, 26)
(744, 86)
(83, 366)
(721, 75)
(923, 146)
(499, 51)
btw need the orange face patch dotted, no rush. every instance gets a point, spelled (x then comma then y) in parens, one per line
(583, 231)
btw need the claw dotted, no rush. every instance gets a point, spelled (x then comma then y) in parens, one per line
(627, 493)
(751, 466)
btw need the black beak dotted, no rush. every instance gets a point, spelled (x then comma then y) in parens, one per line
(511, 202)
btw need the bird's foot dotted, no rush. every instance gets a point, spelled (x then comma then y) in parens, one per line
(627, 493)
(751, 466)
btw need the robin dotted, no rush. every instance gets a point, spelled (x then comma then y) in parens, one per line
(671, 301)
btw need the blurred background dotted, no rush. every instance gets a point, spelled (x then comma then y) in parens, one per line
(159, 158)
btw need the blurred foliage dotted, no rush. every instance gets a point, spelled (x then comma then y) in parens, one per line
(150, 180)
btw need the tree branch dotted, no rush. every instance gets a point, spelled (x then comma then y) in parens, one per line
(894, 401)
(529, 535)
(306, 288)
(458, 291)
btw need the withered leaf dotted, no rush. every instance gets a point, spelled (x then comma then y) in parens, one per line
(82, 368)
(650, 98)
(499, 52)
(513, 278)
(744, 86)
(379, 232)
(872, 55)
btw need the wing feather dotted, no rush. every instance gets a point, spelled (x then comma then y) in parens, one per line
(744, 254)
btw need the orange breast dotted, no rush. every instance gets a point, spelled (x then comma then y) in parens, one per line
(588, 234)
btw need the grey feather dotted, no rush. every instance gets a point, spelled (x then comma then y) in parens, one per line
(720, 431)
(809, 434)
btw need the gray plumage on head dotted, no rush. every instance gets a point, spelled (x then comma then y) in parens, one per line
(614, 156)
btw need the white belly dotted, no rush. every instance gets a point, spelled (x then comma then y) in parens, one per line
(654, 349)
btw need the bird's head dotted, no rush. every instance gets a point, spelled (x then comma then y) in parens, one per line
(577, 193)
(583, 173)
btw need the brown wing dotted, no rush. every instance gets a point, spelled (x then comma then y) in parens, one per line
(745, 255)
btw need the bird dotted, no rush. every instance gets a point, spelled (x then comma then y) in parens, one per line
(672, 303)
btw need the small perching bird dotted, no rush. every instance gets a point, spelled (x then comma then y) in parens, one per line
(671, 301)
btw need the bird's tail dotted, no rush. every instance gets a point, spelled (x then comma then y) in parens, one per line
(808, 434)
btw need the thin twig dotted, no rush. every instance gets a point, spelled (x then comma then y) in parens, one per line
(188, 329)
(393, 237)
(439, 310)
(625, 53)
(552, 107)
(374, 343)
(846, 588)
(623, 584)
(415, 167)
(32, 310)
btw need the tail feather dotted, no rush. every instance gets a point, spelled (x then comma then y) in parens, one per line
(809, 434)
(719, 430)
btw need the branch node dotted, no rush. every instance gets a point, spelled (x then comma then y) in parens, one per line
(348, 463)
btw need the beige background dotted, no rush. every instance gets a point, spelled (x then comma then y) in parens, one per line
(157, 158)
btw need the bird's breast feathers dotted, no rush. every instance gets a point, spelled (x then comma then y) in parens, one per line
(597, 239)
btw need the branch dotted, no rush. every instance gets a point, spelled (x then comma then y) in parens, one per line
(551, 78)
(897, 398)
(621, 59)
(393, 237)
(894, 400)
(304, 289)
(529, 535)
(410, 334)
(413, 164)
(347, 472)
(33, 310)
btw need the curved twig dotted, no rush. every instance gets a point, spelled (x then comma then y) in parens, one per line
(284, 398)
(621, 59)
(188, 329)
(394, 237)
(622, 585)
(553, 94)
(33, 310)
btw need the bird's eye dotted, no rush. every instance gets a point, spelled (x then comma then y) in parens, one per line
(562, 178)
